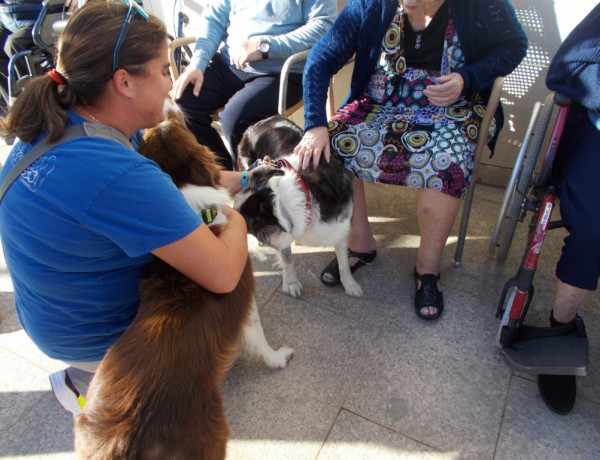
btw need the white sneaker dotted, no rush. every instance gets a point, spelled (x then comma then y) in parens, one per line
(66, 393)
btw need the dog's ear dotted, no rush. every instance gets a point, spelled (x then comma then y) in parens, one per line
(257, 210)
(173, 146)
(262, 174)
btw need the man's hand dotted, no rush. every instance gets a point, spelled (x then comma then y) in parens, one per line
(191, 75)
(71, 5)
(247, 51)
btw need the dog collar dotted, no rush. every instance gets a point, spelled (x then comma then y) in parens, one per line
(283, 163)
(208, 215)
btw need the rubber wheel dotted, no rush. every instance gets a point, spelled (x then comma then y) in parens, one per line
(525, 180)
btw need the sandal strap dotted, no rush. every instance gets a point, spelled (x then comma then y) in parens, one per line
(420, 277)
(430, 294)
(365, 257)
(430, 291)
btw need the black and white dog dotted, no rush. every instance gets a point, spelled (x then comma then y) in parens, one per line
(282, 204)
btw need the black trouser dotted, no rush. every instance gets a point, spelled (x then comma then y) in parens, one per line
(12, 43)
(578, 166)
(247, 98)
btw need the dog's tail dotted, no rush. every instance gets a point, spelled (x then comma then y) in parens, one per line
(189, 436)
(156, 393)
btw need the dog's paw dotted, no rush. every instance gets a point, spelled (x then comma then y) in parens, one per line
(293, 288)
(279, 359)
(352, 288)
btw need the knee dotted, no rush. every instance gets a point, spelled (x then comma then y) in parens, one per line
(584, 238)
(579, 263)
(193, 108)
(233, 126)
(228, 122)
(9, 47)
(186, 101)
(20, 40)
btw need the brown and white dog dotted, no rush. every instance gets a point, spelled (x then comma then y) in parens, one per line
(282, 204)
(156, 393)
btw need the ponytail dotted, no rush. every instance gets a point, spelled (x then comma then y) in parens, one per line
(40, 108)
(85, 54)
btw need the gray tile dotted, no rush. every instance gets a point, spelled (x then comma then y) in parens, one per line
(531, 431)
(442, 384)
(19, 343)
(270, 449)
(32, 422)
(21, 385)
(296, 407)
(353, 437)
(43, 432)
(377, 305)
(266, 270)
(8, 317)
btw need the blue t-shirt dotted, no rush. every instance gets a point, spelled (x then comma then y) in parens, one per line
(76, 227)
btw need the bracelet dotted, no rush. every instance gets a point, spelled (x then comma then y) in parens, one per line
(244, 178)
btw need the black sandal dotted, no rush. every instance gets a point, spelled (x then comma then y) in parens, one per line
(428, 295)
(364, 258)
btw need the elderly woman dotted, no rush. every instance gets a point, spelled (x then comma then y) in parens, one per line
(422, 74)
(79, 224)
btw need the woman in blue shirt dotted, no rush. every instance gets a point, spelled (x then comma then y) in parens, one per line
(80, 223)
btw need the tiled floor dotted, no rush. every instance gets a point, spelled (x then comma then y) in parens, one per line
(369, 379)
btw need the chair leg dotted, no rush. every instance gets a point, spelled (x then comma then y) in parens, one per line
(464, 222)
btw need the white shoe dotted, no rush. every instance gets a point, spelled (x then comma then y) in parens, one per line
(66, 393)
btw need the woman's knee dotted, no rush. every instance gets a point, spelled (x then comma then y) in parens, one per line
(436, 202)
(579, 263)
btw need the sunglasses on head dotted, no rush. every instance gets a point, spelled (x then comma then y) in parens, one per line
(133, 9)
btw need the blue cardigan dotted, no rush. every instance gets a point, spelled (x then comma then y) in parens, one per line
(492, 40)
(575, 69)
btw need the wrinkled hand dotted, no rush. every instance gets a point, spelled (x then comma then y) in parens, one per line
(191, 75)
(447, 91)
(243, 53)
(314, 143)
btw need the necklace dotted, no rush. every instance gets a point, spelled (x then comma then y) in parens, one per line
(418, 41)
(90, 115)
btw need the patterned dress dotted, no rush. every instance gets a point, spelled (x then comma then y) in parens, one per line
(393, 135)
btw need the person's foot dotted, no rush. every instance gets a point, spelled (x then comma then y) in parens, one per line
(330, 276)
(65, 392)
(558, 392)
(429, 300)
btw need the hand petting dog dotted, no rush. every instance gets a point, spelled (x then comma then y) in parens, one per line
(314, 144)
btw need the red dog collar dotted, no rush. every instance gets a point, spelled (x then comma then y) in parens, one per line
(283, 163)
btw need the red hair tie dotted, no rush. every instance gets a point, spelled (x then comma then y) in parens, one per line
(57, 77)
